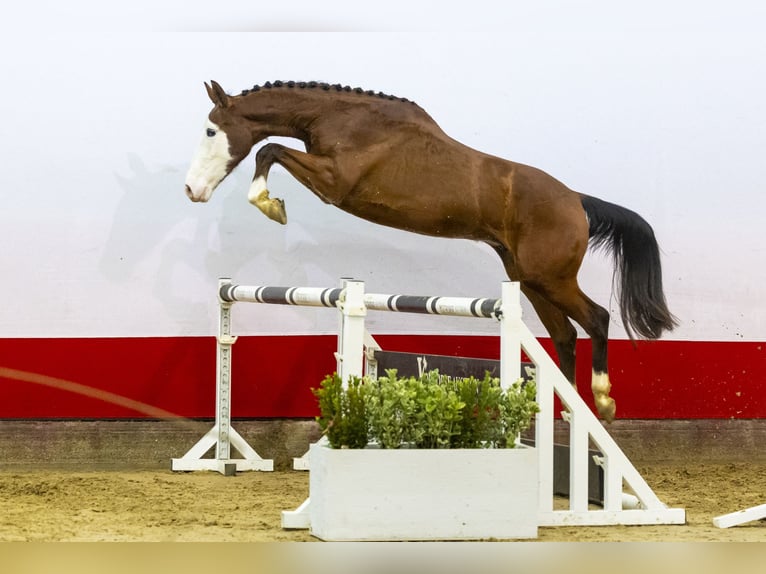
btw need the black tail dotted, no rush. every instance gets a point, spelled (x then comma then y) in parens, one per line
(630, 240)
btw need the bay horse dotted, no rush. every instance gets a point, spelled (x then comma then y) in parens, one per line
(384, 159)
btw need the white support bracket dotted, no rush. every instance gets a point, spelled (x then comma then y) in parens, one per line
(222, 436)
(640, 506)
(370, 362)
(298, 519)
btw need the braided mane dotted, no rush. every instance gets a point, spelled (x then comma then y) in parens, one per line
(321, 86)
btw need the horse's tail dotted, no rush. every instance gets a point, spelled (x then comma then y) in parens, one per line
(638, 273)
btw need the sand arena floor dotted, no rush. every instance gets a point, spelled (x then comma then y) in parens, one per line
(151, 505)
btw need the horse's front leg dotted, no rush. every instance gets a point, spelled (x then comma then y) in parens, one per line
(258, 195)
(311, 170)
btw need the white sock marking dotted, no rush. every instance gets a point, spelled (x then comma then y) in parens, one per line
(256, 188)
(600, 384)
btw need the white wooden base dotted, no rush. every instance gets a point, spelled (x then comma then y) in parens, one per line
(741, 517)
(634, 517)
(298, 519)
(415, 494)
(193, 459)
(302, 462)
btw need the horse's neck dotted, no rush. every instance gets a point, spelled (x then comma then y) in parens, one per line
(313, 113)
(289, 112)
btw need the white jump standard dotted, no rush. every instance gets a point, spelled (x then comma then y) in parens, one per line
(223, 436)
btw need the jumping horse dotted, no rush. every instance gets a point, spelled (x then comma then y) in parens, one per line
(384, 159)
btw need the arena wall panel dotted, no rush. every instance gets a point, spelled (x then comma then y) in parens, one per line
(272, 376)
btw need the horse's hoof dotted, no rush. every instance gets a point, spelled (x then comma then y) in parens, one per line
(273, 208)
(607, 408)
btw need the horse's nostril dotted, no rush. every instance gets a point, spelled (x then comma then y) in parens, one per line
(188, 191)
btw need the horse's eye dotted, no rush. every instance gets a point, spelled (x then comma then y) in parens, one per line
(210, 132)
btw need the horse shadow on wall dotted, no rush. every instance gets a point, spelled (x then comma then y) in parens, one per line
(161, 242)
(159, 238)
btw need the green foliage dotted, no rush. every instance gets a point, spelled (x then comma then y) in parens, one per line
(442, 410)
(481, 422)
(343, 416)
(431, 411)
(517, 407)
(393, 410)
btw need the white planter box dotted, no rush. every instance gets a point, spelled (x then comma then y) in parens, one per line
(414, 494)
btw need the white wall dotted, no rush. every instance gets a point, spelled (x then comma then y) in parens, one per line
(657, 106)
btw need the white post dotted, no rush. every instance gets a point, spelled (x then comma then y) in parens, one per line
(510, 329)
(223, 377)
(544, 434)
(613, 487)
(578, 463)
(350, 355)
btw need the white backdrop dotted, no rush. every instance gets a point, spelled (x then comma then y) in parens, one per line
(656, 106)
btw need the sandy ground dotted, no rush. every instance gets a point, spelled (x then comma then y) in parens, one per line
(167, 506)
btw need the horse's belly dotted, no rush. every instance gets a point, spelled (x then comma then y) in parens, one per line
(418, 216)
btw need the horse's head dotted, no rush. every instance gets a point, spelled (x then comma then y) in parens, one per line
(225, 143)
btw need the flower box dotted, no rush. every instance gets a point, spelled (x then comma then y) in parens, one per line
(376, 494)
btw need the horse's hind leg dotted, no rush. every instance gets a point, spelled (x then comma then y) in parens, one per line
(560, 328)
(594, 319)
(558, 325)
(548, 257)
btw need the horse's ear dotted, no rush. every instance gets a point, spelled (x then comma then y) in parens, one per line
(217, 94)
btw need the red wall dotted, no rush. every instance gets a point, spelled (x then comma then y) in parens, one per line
(272, 376)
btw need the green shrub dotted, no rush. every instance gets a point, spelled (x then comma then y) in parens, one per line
(431, 411)
(343, 416)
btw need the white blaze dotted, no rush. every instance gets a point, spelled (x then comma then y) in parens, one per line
(209, 165)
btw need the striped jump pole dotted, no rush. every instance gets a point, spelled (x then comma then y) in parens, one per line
(318, 297)
(305, 296)
(354, 303)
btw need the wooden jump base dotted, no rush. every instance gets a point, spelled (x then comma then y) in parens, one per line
(353, 303)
